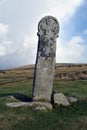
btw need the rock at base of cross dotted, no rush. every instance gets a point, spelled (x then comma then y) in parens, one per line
(60, 99)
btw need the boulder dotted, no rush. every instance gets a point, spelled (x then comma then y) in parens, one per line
(60, 99)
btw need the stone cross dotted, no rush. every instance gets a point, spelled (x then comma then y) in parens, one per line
(48, 29)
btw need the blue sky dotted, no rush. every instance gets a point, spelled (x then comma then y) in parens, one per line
(18, 30)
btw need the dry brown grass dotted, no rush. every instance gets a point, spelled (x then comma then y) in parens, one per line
(62, 72)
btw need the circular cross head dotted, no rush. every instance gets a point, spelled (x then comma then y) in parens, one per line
(48, 26)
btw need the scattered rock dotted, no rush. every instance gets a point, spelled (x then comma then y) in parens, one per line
(10, 99)
(73, 99)
(60, 99)
(41, 108)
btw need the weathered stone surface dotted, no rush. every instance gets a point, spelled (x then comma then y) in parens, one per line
(18, 104)
(11, 98)
(40, 108)
(48, 29)
(60, 99)
(37, 104)
(44, 104)
(73, 99)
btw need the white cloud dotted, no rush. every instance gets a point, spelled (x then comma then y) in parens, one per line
(3, 29)
(25, 53)
(71, 52)
(29, 41)
(5, 44)
(63, 9)
(27, 50)
(2, 50)
(6, 48)
(29, 46)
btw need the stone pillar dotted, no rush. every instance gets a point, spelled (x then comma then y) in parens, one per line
(48, 29)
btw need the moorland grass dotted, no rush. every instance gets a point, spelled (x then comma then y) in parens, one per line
(73, 117)
(76, 88)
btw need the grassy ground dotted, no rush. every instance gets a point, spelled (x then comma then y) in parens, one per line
(73, 117)
(18, 82)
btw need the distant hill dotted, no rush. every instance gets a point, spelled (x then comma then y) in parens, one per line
(62, 72)
(71, 72)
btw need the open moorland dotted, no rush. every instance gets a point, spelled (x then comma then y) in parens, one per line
(16, 85)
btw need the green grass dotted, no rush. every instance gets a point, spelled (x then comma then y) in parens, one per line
(74, 88)
(73, 117)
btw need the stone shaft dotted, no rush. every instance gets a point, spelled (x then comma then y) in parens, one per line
(48, 29)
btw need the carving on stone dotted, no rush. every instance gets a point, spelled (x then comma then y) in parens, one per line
(48, 26)
(47, 48)
(48, 30)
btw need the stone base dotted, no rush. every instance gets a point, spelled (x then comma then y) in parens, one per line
(58, 98)
(37, 105)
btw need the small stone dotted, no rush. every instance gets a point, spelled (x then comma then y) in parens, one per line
(41, 108)
(60, 99)
(10, 97)
(73, 99)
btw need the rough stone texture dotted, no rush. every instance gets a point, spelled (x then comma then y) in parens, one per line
(43, 104)
(73, 99)
(60, 99)
(18, 104)
(40, 108)
(38, 105)
(11, 98)
(48, 29)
